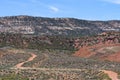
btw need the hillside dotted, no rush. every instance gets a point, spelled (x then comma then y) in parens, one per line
(55, 26)
(103, 47)
(39, 48)
(36, 41)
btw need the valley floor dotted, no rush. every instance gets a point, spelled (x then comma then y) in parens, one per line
(54, 65)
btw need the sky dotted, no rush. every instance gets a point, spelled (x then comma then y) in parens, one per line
(81, 9)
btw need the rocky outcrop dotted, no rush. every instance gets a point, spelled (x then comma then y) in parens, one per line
(55, 26)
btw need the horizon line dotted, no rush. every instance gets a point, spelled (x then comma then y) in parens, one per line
(64, 17)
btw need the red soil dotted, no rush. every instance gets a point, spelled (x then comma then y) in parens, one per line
(86, 52)
(113, 57)
(111, 74)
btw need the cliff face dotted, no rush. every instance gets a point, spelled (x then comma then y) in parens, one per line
(55, 26)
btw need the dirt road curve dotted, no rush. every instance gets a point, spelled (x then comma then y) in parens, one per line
(20, 65)
(111, 74)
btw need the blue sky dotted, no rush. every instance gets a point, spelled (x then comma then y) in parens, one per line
(82, 9)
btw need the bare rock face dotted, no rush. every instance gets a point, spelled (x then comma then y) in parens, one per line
(55, 26)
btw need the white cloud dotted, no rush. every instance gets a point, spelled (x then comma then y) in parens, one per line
(113, 1)
(53, 8)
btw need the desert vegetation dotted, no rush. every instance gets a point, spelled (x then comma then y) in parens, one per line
(54, 75)
(55, 58)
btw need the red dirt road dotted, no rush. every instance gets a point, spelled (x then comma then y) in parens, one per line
(20, 65)
(111, 74)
